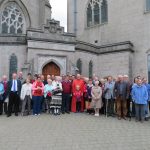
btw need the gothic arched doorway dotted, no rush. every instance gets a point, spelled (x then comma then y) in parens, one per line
(51, 69)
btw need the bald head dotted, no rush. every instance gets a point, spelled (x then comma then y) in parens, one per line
(4, 78)
(120, 78)
(14, 76)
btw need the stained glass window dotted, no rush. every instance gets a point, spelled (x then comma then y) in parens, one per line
(90, 69)
(97, 12)
(89, 16)
(79, 65)
(147, 5)
(12, 21)
(104, 13)
(12, 65)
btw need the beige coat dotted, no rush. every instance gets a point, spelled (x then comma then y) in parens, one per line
(96, 97)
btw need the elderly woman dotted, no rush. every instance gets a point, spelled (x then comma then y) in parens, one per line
(96, 98)
(26, 96)
(1, 98)
(37, 93)
(48, 93)
(140, 98)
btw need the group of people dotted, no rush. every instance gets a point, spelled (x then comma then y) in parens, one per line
(111, 96)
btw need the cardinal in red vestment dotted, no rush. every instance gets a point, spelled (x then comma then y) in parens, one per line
(78, 82)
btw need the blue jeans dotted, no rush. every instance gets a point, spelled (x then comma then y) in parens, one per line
(37, 104)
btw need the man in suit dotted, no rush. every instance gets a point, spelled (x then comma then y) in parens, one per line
(121, 94)
(14, 89)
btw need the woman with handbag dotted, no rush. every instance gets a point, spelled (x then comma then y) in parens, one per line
(48, 93)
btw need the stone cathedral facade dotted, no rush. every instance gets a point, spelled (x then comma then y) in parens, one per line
(104, 37)
(117, 31)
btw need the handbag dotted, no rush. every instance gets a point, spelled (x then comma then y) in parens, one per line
(49, 94)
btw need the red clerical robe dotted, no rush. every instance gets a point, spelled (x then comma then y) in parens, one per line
(80, 83)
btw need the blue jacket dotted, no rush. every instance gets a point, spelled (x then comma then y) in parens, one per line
(109, 90)
(1, 88)
(1, 91)
(139, 94)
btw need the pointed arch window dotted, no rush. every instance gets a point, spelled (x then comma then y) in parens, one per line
(13, 63)
(89, 15)
(97, 12)
(12, 20)
(90, 69)
(104, 13)
(79, 65)
(147, 5)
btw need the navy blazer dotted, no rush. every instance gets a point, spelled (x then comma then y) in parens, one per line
(10, 86)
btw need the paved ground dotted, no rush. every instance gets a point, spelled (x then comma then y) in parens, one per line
(72, 132)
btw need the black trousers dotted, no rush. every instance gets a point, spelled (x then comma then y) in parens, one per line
(110, 106)
(78, 106)
(3, 107)
(13, 102)
(65, 102)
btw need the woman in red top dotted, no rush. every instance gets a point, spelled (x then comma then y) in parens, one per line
(37, 92)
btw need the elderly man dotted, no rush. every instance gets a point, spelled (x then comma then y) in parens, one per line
(66, 86)
(126, 79)
(14, 90)
(109, 96)
(121, 94)
(20, 77)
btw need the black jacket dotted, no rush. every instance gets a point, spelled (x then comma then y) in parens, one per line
(10, 86)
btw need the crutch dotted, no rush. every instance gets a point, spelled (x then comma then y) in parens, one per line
(130, 113)
(106, 107)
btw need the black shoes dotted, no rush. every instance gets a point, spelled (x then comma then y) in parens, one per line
(16, 114)
(67, 112)
(8, 115)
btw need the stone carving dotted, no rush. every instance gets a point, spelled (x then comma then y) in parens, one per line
(53, 26)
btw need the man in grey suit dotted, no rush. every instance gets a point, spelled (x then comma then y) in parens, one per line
(121, 94)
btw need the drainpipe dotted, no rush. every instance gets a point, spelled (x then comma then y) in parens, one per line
(75, 17)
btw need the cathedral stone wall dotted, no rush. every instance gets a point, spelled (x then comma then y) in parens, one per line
(120, 46)
(5, 53)
(127, 21)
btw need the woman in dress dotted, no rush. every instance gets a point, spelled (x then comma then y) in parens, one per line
(96, 98)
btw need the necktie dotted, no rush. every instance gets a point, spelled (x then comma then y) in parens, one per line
(14, 86)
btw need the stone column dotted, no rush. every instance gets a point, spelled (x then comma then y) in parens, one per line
(41, 12)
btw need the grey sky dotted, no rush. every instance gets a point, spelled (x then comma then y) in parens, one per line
(59, 11)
